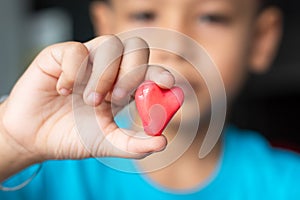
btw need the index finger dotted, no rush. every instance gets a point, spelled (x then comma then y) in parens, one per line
(105, 57)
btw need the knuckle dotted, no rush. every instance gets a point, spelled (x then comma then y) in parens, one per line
(113, 41)
(77, 48)
(136, 42)
(107, 48)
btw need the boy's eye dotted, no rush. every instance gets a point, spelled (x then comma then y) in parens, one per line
(214, 18)
(143, 16)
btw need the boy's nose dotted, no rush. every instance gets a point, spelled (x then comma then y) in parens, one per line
(175, 46)
(178, 41)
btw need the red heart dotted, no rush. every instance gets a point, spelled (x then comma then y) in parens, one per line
(156, 106)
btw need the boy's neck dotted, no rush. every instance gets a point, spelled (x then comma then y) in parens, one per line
(188, 171)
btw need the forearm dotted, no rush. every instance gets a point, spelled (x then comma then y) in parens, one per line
(12, 160)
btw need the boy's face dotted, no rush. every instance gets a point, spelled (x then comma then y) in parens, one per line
(232, 32)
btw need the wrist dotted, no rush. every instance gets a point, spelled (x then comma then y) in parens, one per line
(13, 157)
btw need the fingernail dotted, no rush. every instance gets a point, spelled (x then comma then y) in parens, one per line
(165, 79)
(94, 99)
(64, 91)
(119, 93)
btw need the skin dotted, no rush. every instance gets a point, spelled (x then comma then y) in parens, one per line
(41, 102)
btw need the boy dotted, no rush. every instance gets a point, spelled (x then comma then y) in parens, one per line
(37, 122)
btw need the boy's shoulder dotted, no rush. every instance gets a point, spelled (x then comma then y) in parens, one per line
(252, 141)
(254, 145)
(258, 164)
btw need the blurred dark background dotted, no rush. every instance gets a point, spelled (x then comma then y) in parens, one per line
(269, 103)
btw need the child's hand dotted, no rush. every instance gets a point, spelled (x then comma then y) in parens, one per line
(38, 117)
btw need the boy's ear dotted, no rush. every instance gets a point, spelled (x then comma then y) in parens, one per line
(267, 36)
(101, 16)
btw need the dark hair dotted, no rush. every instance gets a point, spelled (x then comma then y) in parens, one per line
(267, 3)
(264, 3)
(106, 1)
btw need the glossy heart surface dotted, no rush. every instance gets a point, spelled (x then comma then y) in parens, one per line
(157, 106)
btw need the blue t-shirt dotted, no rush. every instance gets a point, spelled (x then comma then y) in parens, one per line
(248, 169)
